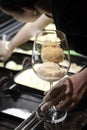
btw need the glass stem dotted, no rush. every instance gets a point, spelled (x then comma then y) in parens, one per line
(51, 85)
(53, 107)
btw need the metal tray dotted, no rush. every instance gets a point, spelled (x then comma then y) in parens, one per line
(17, 96)
(6, 72)
(79, 60)
(27, 46)
(6, 75)
(8, 122)
(20, 59)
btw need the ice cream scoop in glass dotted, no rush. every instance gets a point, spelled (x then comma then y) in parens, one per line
(48, 56)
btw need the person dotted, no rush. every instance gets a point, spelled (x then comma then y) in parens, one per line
(69, 17)
(24, 34)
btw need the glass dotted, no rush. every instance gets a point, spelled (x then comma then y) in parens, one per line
(50, 51)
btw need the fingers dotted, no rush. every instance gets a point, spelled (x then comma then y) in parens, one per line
(69, 85)
(66, 103)
(72, 105)
(62, 101)
(5, 56)
(58, 89)
(61, 95)
(4, 50)
(53, 101)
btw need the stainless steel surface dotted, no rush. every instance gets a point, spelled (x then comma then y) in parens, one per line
(8, 25)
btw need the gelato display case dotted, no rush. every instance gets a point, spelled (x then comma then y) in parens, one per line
(19, 101)
(20, 94)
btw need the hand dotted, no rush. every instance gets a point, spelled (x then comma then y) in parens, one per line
(68, 94)
(5, 51)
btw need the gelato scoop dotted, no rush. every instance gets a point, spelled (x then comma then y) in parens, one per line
(50, 71)
(52, 52)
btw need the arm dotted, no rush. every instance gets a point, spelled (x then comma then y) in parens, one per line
(29, 30)
(25, 33)
(70, 92)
